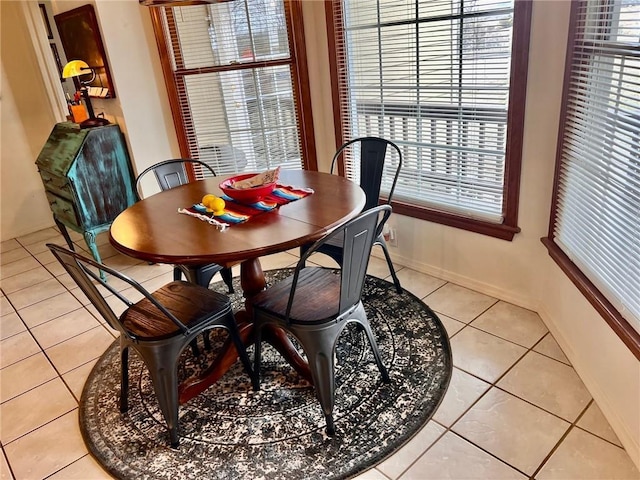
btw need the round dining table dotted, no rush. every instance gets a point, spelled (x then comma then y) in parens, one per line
(153, 230)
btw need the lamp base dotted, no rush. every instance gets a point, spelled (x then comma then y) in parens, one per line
(94, 122)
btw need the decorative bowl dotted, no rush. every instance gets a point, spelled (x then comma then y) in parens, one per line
(246, 195)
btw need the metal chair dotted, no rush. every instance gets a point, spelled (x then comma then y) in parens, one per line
(373, 153)
(158, 327)
(315, 304)
(170, 174)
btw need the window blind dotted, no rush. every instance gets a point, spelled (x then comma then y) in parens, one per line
(231, 64)
(434, 77)
(597, 209)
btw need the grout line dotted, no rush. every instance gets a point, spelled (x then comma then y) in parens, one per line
(489, 453)
(494, 385)
(446, 429)
(75, 461)
(42, 425)
(6, 460)
(566, 434)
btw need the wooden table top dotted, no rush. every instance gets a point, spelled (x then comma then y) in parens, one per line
(153, 230)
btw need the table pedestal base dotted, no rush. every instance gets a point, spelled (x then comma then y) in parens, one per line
(252, 281)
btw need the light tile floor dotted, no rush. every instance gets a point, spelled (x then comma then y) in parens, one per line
(515, 407)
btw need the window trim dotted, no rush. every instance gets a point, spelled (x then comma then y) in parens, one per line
(515, 128)
(299, 75)
(621, 327)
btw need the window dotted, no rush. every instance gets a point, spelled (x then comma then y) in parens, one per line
(446, 81)
(236, 76)
(594, 232)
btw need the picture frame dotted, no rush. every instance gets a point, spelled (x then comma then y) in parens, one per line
(56, 57)
(81, 40)
(45, 20)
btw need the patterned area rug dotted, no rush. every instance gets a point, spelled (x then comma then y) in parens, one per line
(232, 432)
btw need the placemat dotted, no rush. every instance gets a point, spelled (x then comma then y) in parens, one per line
(236, 212)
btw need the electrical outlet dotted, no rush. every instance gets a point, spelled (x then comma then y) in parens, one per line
(393, 237)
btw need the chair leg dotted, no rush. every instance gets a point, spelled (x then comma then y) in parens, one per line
(303, 250)
(124, 378)
(164, 376)
(194, 346)
(380, 241)
(177, 274)
(318, 346)
(376, 353)
(227, 277)
(244, 358)
(256, 356)
(207, 340)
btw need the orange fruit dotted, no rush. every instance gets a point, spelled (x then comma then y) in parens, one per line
(207, 199)
(217, 205)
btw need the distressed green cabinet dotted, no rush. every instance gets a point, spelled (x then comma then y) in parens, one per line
(87, 179)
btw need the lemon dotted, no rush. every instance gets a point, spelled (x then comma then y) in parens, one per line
(217, 205)
(207, 199)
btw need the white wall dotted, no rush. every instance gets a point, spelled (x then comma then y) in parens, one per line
(26, 121)
(520, 271)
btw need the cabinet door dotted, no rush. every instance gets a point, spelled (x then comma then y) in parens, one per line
(102, 177)
(63, 209)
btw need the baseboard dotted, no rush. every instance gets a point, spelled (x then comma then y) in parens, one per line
(599, 395)
(619, 426)
(8, 234)
(464, 281)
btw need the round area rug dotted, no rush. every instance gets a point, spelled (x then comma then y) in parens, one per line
(232, 432)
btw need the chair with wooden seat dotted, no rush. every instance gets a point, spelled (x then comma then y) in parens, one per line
(315, 304)
(158, 327)
(170, 174)
(372, 154)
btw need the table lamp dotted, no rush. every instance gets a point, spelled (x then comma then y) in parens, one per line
(77, 68)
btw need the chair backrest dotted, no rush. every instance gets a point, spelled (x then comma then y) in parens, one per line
(172, 173)
(357, 237)
(81, 269)
(373, 154)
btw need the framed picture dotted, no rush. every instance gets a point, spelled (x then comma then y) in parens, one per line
(56, 57)
(81, 40)
(45, 19)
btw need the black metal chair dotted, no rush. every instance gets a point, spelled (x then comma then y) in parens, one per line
(159, 326)
(315, 304)
(373, 154)
(170, 174)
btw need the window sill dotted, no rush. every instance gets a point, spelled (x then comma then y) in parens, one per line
(629, 336)
(503, 232)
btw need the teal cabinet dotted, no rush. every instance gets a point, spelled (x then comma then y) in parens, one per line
(87, 178)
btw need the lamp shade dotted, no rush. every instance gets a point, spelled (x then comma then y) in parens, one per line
(75, 68)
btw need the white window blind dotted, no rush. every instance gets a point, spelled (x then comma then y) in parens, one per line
(434, 77)
(597, 219)
(231, 63)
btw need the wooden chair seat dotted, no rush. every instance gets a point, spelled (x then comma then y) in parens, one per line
(316, 297)
(189, 304)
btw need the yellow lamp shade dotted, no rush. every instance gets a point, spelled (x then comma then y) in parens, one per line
(75, 68)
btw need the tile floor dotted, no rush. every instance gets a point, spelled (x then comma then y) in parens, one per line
(515, 407)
